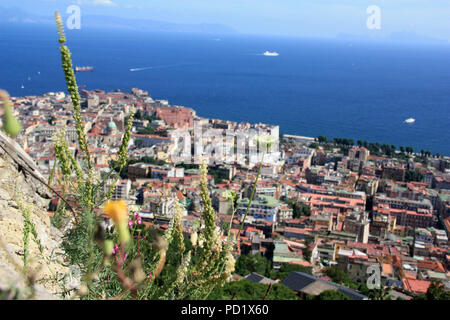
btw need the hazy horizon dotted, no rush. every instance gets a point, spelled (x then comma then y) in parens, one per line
(318, 18)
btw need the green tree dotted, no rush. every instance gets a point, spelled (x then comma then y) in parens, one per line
(218, 174)
(436, 291)
(338, 275)
(298, 209)
(379, 294)
(412, 175)
(330, 295)
(246, 290)
(287, 268)
(139, 143)
(138, 114)
(51, 120)
(249, 263)
(147, 130)
(307, 251)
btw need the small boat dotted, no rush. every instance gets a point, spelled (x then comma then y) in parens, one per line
(410, 120)
(83, 69)
(23, 87)
(271, 54)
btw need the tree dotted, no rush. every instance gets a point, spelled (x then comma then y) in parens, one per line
(322, 139)
(412, 175)
(338, 275)
(246, 290)
(139, 143)
(330, 295)
(287, 268)
(219, 174)
(296, 208)
(138, 114)
(307, 251)
(299, 209)
(436, 291)
(306, 211)
(249, 263)
(51, 120)
(379, 294)
(409, 150)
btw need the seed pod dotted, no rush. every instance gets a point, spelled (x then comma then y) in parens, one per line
(109, 247)
(10, 124)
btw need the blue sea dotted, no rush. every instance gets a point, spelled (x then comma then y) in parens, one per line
(336, 88)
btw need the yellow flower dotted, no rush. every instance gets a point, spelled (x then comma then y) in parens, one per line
(117, 211)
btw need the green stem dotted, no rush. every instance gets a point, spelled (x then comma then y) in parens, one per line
(232, 217)
(251, 197)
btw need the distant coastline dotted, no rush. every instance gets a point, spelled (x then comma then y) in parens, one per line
(361, 92)
(308, 139)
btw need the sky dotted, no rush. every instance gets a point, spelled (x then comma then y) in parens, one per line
(304, 18)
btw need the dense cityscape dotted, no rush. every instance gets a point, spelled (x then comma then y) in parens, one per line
(328, 214)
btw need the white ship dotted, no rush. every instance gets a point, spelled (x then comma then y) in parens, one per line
(271, 54)
(410, 120)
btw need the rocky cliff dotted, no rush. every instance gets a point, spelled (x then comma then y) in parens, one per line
(21, 192)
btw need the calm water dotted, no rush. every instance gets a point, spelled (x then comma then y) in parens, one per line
(314, 87)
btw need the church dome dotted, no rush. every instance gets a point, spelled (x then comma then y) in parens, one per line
(112, 125)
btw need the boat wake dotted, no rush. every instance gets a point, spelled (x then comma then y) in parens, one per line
(156, 67)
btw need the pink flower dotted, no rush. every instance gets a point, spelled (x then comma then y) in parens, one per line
(139, 221)
(149, 275)
(130, 223)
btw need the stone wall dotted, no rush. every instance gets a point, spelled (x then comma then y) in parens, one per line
(17, 185)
